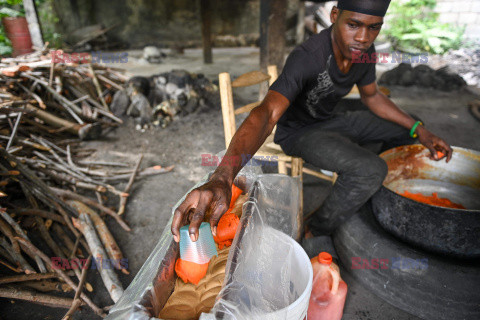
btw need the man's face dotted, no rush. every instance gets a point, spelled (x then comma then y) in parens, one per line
(354, 32)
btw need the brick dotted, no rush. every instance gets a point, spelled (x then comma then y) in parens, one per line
(443, 7)
(448, 17)
(472, 31)
(467, 18)
(461, 6)
(476, 7)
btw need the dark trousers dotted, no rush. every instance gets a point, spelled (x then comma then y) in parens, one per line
(335, 145)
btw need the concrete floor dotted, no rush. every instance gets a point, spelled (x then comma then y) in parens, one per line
(182, 143)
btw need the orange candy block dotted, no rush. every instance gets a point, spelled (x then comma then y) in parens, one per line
(440, 154)
(433, 200)
(226, 229)
(236, 192)
(190, 271)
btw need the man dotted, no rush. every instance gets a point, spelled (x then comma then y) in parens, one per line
(316, 76)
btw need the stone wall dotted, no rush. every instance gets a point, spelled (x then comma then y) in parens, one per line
(466, 12)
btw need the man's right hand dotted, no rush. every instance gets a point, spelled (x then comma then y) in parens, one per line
(214, 196)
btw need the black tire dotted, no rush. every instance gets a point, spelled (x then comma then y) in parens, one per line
(445, 289)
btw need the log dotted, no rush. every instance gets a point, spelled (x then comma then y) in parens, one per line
(32, 296)
(109, 277)
(47, 286)
(108, 241)
(70, 195)
(30, 277)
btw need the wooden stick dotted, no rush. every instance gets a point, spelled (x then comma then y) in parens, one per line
(123, 198)
(27, 143)
(34, 95)
(69, 245)
(109, 277)
(110, 82)
(14, 131)
(29, 277)
(108, 241)
(64, 276)
(5, 229)
(17, 257)
(70, 195)
(52, 69)
(54, 120)
(72, 108)
(76, 299)
(18, 270)
(21, 233)
(97, 86)
(47, 286)
(40, 213)
(144, 173)
(29, 295)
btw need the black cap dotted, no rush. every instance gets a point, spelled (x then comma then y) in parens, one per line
(370, 7)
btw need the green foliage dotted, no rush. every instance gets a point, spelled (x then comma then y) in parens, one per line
(11, 8)
(49, 20)
(414, 28)
(5, 45)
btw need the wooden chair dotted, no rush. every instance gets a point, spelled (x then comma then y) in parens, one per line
(269, 148)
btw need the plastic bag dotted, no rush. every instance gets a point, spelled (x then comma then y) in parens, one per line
(273, 205)
(268, 275)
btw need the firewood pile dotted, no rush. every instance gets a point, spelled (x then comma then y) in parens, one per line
(53, 201)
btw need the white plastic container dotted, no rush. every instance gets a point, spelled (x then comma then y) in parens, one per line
(303, 277)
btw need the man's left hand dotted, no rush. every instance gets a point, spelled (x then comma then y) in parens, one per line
(434, 144)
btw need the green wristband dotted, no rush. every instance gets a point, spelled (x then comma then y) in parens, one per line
(413, 134)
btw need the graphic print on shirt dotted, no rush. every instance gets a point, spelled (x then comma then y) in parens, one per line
(324, 88)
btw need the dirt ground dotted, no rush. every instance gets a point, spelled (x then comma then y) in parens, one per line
(185, 139)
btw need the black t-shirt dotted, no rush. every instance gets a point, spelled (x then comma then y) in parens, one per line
(313, 83)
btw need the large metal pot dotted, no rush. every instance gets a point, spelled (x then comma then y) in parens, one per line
(442, 230)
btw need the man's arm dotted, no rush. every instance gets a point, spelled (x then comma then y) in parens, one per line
(214, 196)
(383, 107)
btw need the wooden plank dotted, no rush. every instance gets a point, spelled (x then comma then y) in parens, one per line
(273, 73)
(250, 79)
(282, 167)
(226, 99)
(317, 174)
(247, 108)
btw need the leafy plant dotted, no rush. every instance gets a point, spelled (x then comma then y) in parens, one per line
(49, 21)
(414, 27)
(5, 45)
(11, 8)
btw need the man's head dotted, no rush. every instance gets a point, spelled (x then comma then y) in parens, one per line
(357, 24)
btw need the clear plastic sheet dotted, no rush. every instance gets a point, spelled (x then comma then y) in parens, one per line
(264, 274)
(273, 205)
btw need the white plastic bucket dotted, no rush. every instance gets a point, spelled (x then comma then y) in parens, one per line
(302, 275)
